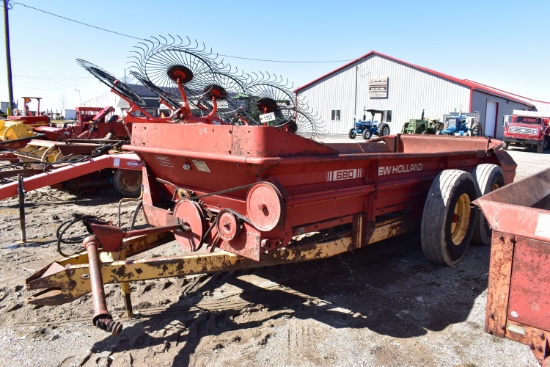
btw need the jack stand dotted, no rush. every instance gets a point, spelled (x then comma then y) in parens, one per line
(21, 194)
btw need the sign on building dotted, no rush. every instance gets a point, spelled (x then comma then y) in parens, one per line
(378, 87)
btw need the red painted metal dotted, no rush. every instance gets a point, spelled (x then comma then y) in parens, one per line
(529, 303)
(264, 206)
(228, 225)
(39, 120)
(518, 300)
(110, 237)
(523, 209)
(28, 117)
(280, 184)
(102, 318)
(127, 161)
(192, 216)
(91, 123)
(8, 156)
(88, 130)
(97, 114)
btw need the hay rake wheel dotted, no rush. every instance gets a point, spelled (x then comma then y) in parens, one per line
(170, 62)
(309, 124)
(235, 85)
(210, 90)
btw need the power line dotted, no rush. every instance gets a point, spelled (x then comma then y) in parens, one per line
(42, 88)
(54, 80)
(76, 21)
(287, 61)
(142, 39)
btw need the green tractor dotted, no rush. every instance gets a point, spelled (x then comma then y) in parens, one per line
(422, 126)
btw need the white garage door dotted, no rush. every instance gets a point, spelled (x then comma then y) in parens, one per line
(491, 118)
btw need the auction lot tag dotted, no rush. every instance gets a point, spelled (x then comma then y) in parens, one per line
(267, 117)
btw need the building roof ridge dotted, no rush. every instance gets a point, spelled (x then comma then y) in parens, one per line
(464, 82)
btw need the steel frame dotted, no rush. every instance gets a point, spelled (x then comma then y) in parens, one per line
(68, 279)
(518, 297)
(127, 161)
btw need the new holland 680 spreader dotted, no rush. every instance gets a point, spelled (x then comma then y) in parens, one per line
(237, 188)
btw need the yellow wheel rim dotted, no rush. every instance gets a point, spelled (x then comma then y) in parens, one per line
(495, 186)
(461, 219)
(131, 180)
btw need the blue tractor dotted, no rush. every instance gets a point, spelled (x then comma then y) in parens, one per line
(371, 127)
(462, 124)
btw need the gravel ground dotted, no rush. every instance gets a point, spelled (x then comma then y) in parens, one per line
(384, 305)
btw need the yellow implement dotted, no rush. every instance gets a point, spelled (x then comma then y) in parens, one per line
(12, 130)
(43, 151)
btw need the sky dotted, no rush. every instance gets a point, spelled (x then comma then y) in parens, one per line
(504, 44)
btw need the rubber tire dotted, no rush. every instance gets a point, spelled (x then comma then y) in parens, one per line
(485, 177)
(540, 147)
(352, 134)
(367, 134)
(384, 130)
(546, 143)
(446, 189)
(505, 145)
(122, 188)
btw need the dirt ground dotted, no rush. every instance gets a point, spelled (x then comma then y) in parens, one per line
(384, 305)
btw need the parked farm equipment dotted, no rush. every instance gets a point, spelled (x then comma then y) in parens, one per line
(462, 124)
(422, 126)
(28, 117)
(15, 134)
(248, 208)
(458, 124)
(95, 132)
(368, 128)
(246, 194)
(102, 124)
(17, 131)
(252, 100)
(34, 146)
(44, 157)
(518, 298)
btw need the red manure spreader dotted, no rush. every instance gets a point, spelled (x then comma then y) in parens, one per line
(232, 177)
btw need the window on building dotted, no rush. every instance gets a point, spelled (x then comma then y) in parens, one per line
(388, 115)
(335, 115)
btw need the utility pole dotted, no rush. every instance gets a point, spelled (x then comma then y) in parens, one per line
(8, 57)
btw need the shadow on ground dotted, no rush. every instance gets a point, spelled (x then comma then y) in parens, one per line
(389, 288)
